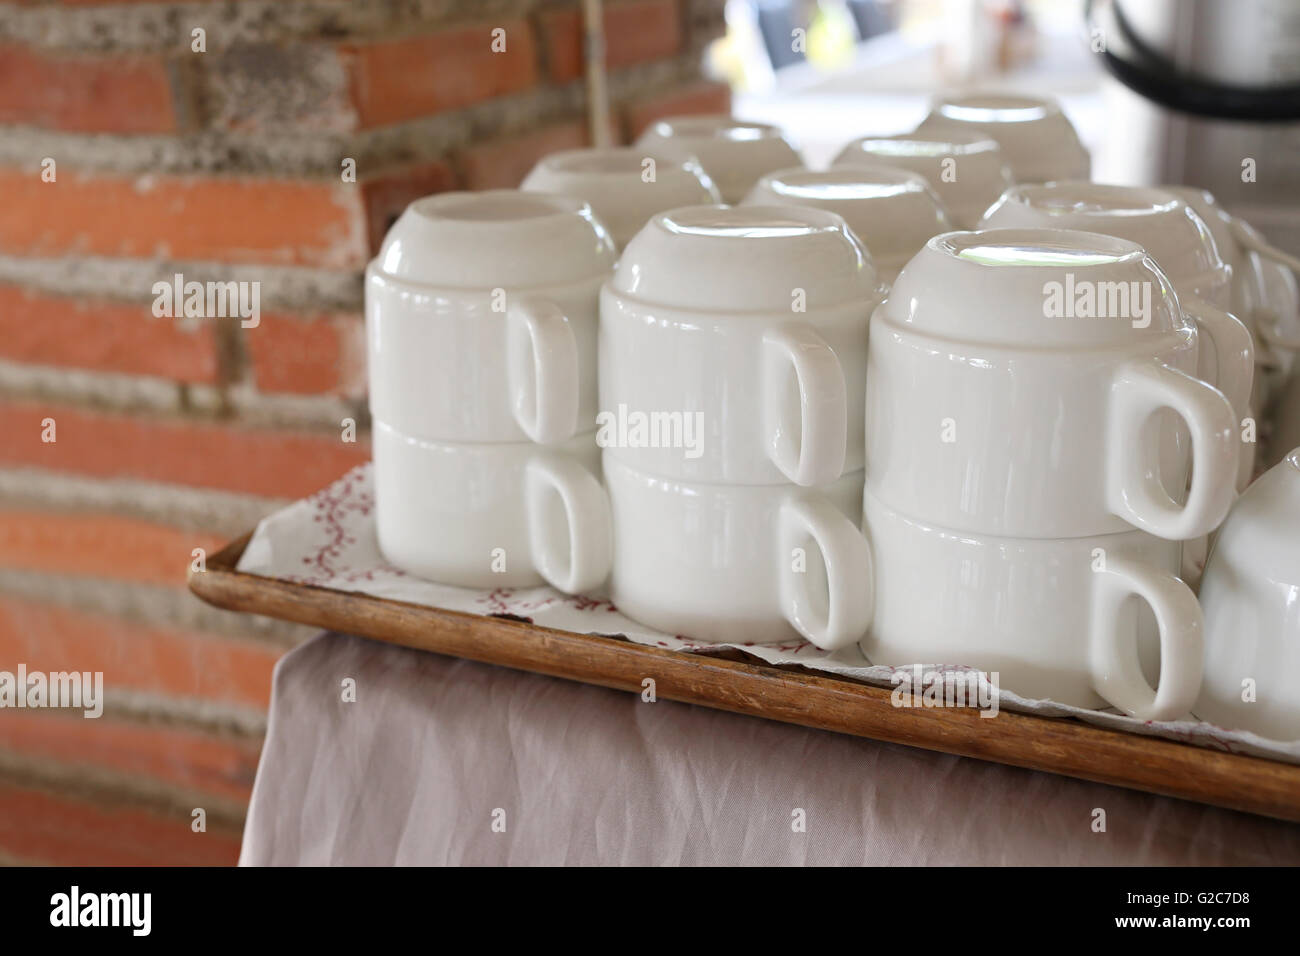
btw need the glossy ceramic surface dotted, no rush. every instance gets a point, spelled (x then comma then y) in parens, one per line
(965, 169)
(764, 563)
(492, 515)
(734, 153)
(988, 413)
(481, 315)
(624, 186)
(752, 322)
(1051, 616)
(1038, 142)
(1251, 596)
(1180, 242)
(894, 212)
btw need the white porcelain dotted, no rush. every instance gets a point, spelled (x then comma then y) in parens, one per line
(1051, 616)
(481, 315)
(989, 412)
(492, 515)
(747, 563)
(965, 169)
(1251, 597)
(625, 186)
(1286, 419)
(894, 212)
(1038, 142)
(1179, 241)
(750, 321)
(733, 152)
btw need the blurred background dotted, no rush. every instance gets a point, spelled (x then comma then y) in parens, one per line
(274, 141)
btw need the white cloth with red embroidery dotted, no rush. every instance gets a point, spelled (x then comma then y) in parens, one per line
(328, 540)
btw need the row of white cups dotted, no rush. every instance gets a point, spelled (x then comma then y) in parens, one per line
(1048, 412)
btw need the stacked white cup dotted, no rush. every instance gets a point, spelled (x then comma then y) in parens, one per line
(893, 211)
(1025, 460)
(481, 315)
(732, 381)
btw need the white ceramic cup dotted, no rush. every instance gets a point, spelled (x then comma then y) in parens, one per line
(990, 411)
(481, 316)
(1181, 244)
(1052, 616)
(1038, 141)
(747, 324)
(894, 212)
(1251, 597)
(733, 152)
(625, 186)
(746, 563)
(492, 515)
(965, 169)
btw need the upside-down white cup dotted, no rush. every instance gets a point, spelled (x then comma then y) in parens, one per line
(1263, 291)
(747, 324)
(625, 186)
(491, 515)
(733, 152)
(1180, 243)
(760, 563)
(481, 315)
(1038, 141)
(1053, 616)
(965, 169)
(993, 409)
(894, 212)
(1251, 596)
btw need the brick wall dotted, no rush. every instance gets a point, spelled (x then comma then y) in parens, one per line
(176, 434)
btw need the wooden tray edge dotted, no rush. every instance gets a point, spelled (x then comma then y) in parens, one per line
(1063, 746)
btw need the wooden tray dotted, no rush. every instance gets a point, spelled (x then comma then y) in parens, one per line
(791, 694)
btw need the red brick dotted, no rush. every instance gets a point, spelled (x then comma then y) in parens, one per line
(42, 828)
(183, 217)
(308, 356)
(99, 545)
(43, 329)
(503, 163)
(386, 196)
(635, 32)
(183, 758)
(94, 94)
(133, 656)
(697, 98)
(257, 461)
(418, 76)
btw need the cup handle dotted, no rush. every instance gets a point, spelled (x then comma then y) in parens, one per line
(1134, 491)
(1116, 670)
(843, 617)
(809, 451)
(572, 546)
(1234, 350)
(542, 370)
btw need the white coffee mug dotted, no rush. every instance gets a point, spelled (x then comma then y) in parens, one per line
(733, 345)
(1180, 243)
(733, 152)
(625, 186)
(481, 315)
(1251, 597)
(965, 169)
(491, 515)
(1053, 617)
(894, 212)
(995, 405)
(745, 563)
(1038, 141)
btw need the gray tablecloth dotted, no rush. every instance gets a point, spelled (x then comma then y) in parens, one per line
(442, 761)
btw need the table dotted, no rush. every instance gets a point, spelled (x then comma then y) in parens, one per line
(445, 761)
